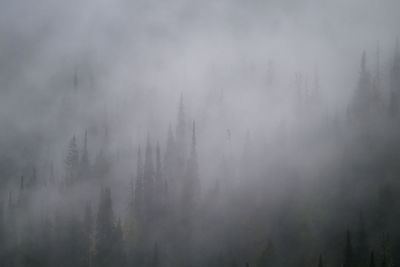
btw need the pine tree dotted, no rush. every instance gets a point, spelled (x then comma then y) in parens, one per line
(139, 196)
(104, 230)
(170, 160)
(320, 261)
(372, 260)
(180, 143)
(158, 163)
(158, 183)
(84, 164)
(348, 252)
(117, 246)
(2, 232)
(148, 181)
(395, 82)
(88, 235)
(156, 260)
(363, 98)
(192, 184)
(181, 125)
(362, 246)
(268, 256)
(72, 162)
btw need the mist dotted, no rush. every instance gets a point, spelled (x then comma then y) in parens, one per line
(199, 133)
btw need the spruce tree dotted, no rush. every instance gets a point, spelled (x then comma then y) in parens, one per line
(362, 246)
(191, 183)
(348, 252)
(372, 260)
(139, 196)
(156, 259)
(395, 82)
(104, 230)
(268, 256)
(72, 162)
(88, 235)
(148, 181)
(320, 264)
(84, 164)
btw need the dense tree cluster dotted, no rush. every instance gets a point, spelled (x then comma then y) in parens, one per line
(266, 207)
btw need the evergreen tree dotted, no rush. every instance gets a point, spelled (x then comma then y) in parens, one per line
(372, 260)
(88, 235)
(192, 183)
(2, 234)
(117, 246)
(72, 162)
(395, 82)
(104, 231)
(84, 164)
(268, 256)
(169, 166)
(156, 259)
(363, 98)
(148, 182)
(348, 252)
(362, 246)
(181, 127)
(320, 261)
(159, 197)
(139, 195)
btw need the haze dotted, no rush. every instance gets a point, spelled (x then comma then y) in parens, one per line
(199, 133)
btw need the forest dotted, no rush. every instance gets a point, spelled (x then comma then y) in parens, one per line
(154, 142)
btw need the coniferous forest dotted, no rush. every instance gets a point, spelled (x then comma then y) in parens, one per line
(190, 134)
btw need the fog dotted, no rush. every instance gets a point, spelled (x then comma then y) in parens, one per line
(199, 133)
